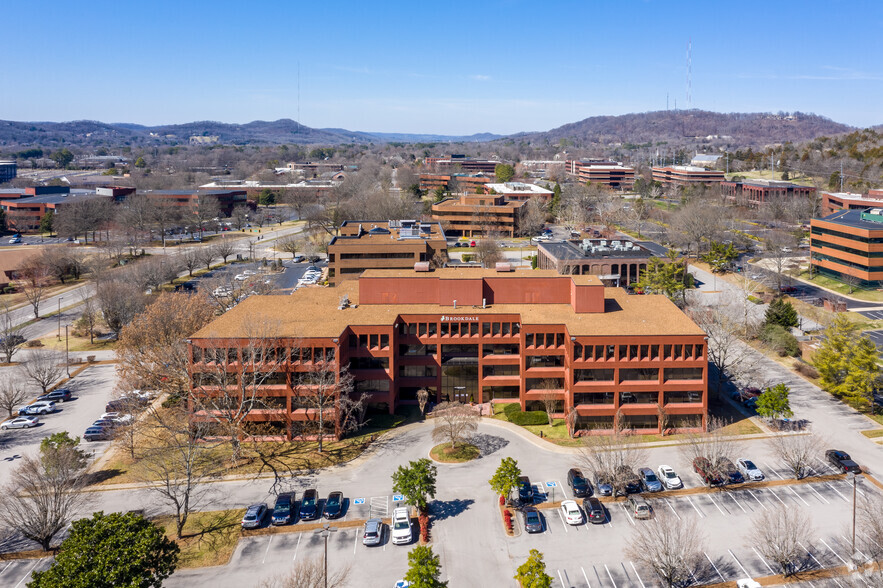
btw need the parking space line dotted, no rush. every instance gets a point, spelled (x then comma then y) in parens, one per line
(672, 508)
(562, 579)
(560, 485)
(772, 573)
(26, 576)
(857, 550)
(589, 584)
(758, 500)
(626, 511)
(798, 495)
(702, 516)
(769, 469)
(721, 576)
(739, 563)
(355, 542)
(638, 576)
(270, 542)
(832, 551)
(715, 503)
(837, 491)
(6, 568)
(818, 563)
(607, 518)
(609, 575)
(732, 495)
(560, 518)
(822, 498)
(296, 547)
(773, 492)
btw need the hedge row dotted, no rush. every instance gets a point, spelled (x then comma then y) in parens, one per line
(532, 417)
(511, 407)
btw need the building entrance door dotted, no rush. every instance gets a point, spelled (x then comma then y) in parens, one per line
(459, 381)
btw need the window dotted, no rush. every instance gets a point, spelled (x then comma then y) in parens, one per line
(500, 392)
(559, 340)
(545, 361)
(593, 398)
(363, 340)
(369, 363)
(273, 402)
(577, 351)
(591, 423)
(685, 421)
(682, 397)
(421, 329)
(640, 421)
(654, 351)
(373, 341)
(276, 379)
(643, 374)
(485, 329)
(528, 340)
(445, 329)
(666, 351)
(473, 329)
(307, 354)
(557, 406)
(638, 397)
(418, 371)
(369, 386)
(506, 329)
(499, 349)
(419, 349)
(683, 373)
(544, 383)
(499, 370)
(699, 351)
(495, 329)
(384, 341)
(593, 375)
(679, 352)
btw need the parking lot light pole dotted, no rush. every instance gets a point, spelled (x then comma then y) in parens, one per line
(59, 317)
(326, 531)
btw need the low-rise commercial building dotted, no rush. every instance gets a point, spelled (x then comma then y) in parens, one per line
(8, 170)
(685, 175)
(834, 201)
(190, 199)
(455, 182)
(848, 245)
(519, 191)
(25, 213)
(364, 245)
(473, 215)
(608, 173)
(469, 335)
(462, 163)
(617, 262)
(759, 192)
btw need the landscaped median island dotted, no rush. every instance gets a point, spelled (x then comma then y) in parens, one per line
(463, 452)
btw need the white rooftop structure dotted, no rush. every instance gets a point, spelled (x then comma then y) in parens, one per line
(518, 187)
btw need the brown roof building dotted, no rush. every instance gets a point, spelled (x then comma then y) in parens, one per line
(684, 175)
(470, 335)
(366, 245)
(473, 215)
(609, 173)
(24, 214)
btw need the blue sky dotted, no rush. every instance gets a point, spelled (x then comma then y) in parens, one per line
(454, 67)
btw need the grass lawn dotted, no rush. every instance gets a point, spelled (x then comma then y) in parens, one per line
(209, 537)
(462, 453)
(873, 433)
(878, 418)
(76, 343)
(841, 288)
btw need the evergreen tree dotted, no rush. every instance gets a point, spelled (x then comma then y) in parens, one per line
(781, 312)
(46, 222)
(847, 363)
(504, 172)
(532, 573)
(424, 568)
(505, 479)
(774, 403)
(555, 205)
(720, 256)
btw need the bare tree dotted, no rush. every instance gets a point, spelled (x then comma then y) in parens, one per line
(532, 217)
(422, 399)
(672, 547)
(10, 336)
(44, 492)
(454, 423)
(549, 398)
(290, 244)
(779, 248)
(488, 251)
(796, 451)
(778, 535)
(33, 281)
(613, 457)
(89, 316)
(321, 390)
(725, 350)
(869, 532)
(178, 461)
(43, 368)
(697, 222)
(239, 216)
(164, 214)
(308, 573)
(119, 302)
(12, 393)
(224, 248)
(207, 254)
(226, 291)
(716, 446)
(206, 210)
(190, 259)
(850, 281)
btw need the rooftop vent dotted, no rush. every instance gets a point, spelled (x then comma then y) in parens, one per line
(503, 266)
(344, 302)
(421, 266)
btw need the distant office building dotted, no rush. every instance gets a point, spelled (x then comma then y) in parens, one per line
(849, 245)
(118, 193)
(364, 245)
(227, 199)
(25, 213)
(461, 163)
(834, 201)
(8, 170)
(519, 191)
(308, 189)
(598, 171)
(473, 215)
(455, 182)
(705, 160)
(617, 262)
(685, 175)
(759, 192)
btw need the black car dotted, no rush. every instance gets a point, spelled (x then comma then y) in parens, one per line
(532, 521)
(309, 505)
(628, 480)
(96, 434)
(333, 505)
(578, 483)
(525, 490)
(729, 469)
(62, 394)
(282, 509)
(14, 339)
(842, 461)
(594, 510)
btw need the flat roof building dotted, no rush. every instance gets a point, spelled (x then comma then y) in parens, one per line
(617, 262)
(462, 163)
(519, 191)
(25, 213)
(470, 335)
(364, 245)
(849, 245)
(227, 199)
(759, 192)
(834, 201)
(473, 215)
(455, 182)
(610, 173)
(685, 175)
(8, 170)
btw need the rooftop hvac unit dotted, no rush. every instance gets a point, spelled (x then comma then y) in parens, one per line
(421, 266)
(503, 266)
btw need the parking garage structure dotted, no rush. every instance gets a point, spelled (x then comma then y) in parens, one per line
(600, 355)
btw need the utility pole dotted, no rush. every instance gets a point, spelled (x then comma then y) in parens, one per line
(59, 317)
(67, 352)
(841, 175)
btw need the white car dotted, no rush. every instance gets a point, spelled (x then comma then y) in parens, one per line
(540, 239)
(571, 512)
(669, 478)
(240, 277)
(39, 407)
(25, 422)
(749, 470)
(117, 417)
(401, 526)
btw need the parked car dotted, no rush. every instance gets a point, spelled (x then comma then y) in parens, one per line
(282, 509)
(525, 490)
(669, 478)
(22, 422)
(298, 258)
(14, 339)
(104, 424)
(578, 483)
(39, 407)
(631, 482)
(639, 508)
(749, 470)
(733, 475)
(649, 481)
(97, 434)
(702, 466)
(333, 505)
(373, 534)
(842, 461)
(15, 240)
(746, 394)
(309, 505)
(594, 510)
(118, 417)
(532, 521)
(401, 526)
(254, 516)
(603, 484)
(571, 512)
(61, 394)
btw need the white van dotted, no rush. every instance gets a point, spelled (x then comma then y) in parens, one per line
(401, 526)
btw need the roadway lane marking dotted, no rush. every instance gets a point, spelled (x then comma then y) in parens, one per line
(758, 500)
(26, 576)
(609, 575)
(672, 508)
(772, 573)
(798, 495)
(721, 576)
(739, 563)
(701, 516)
(270, 542)
(296, 547)
(638, 576)
(588, 584)
(822, 498)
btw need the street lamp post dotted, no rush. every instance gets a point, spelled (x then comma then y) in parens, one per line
(59, 317)
(67, 352)
(325, 532)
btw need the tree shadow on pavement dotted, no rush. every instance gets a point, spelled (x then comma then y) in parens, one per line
(445, 509)
(488, 444)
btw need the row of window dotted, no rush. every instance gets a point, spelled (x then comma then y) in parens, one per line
(639, 374)
(389, 255)
(649, 421)
(608, 398)
(845, 262)
(366, 341)
(636, 352)
(850, 250)
(544, 340)
(851, 237)
(256, 355)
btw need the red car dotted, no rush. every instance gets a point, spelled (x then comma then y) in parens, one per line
(703, 467)
(472, 243)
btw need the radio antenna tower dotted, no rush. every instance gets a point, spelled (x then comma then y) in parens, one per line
(298, 97)
(689, 74)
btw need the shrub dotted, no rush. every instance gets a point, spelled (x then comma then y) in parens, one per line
(531, 417)
(467, 257)
(780, 340)
(502, 500)
(755, 299)
(34, 343)
(806, 369)
(511, 407)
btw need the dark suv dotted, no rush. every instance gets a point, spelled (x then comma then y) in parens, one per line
(578, 483)
(594, 511)
(309, 505)
(525, 490)
(282, 509)
(842, 461)
(729, 469)
(62, 394)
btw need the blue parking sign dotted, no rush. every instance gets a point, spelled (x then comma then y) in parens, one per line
(359, 501)
(551, 484)
(397, 498)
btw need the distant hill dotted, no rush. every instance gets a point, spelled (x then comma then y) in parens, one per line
(678, 126)
(418, 138)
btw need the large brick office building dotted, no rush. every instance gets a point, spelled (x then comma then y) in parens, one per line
(473, 215)
(609, 173)
(617, 262)
(755, 193)
(477, 336)
(849, 243)
(685, 175)
(834, 201)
